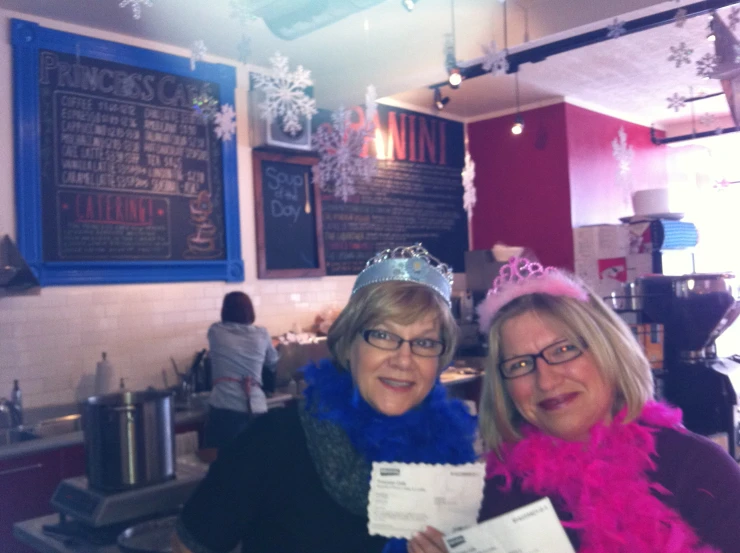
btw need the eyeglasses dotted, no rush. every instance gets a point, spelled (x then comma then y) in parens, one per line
(423, 347)
(554, 354)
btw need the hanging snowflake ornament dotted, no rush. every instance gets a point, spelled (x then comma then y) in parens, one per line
(676, 102)
(341, 165)
(225, 123)
(494, 60)
(706, 65)
(734, 18)
(136, 6)
(680, 54)
(244, 49)
(242, 11)
(681, 17)
(622, 152)
(371, 106)
(285, 94)
(206, 106)
(468, 182)
(616, 29)
(197, 53)
(707, 120)
(316, 176)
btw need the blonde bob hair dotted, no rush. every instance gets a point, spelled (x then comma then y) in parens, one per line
(403, 303)
(610, 342)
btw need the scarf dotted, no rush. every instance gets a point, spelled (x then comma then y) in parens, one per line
(603, 484)
(438, 430)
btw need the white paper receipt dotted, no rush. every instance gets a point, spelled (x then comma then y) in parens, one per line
(405, 498)
(534, 528)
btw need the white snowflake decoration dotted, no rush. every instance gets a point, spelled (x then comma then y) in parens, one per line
(706, 120)
(197, 53)
(244, 49)
(734, 18)
(494, 60)
(136, 6)
(341, 165)
(242, 11)
(285, 95)
(371, 106)
(680, 54)
(681, 17)
(676, 102)
(736, 48)
(225, 123)
(706, 65)
(616, 29)
(468, 182)
(622, 152)
(206, 106)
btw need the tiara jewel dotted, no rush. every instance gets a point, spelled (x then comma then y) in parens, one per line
(407, 263)
(521, 277)
(516, 270)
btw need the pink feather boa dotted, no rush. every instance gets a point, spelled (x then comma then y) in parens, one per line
(604, 484)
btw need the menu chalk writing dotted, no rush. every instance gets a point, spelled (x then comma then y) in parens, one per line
(133, 172)
(288, 216)
(128, 170)
(416, 196)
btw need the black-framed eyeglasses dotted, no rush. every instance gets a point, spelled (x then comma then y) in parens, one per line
(423, 347)
(561, 351)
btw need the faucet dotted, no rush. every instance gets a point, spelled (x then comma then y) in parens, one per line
(11, 414)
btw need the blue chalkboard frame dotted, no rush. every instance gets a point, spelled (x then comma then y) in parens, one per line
(27, 39)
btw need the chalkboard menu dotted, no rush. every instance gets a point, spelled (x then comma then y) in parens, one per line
(132, 185)
(288, 216)
(416, 195)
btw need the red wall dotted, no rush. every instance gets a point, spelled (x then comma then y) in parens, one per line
(560, 173)
(522, 184)
(598, 195)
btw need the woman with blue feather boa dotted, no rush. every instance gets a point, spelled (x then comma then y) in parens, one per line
(297, 479)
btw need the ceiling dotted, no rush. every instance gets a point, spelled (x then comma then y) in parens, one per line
(629, 76)
(402, 53)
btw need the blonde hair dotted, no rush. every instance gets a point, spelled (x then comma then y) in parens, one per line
(610, 341)
(399, 301)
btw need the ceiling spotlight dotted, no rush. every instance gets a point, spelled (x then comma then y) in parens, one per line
(518, 126)
(409, 4)
(439, 101)
(455, 77)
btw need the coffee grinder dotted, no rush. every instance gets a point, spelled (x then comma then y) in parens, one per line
(695, 310)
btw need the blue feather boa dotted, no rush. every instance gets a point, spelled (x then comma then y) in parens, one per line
(439, 430)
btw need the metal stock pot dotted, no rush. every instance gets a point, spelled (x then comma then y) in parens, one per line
(129, 440)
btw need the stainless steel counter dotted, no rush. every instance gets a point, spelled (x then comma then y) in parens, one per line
(31, 533)
(195, 414)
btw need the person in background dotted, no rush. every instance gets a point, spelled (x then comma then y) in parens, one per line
(297, 480)
(239, 350)
(566, 411)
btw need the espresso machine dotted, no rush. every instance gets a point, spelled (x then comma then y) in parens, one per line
(695, 309)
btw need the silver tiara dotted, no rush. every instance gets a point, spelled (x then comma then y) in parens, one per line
(407, 263)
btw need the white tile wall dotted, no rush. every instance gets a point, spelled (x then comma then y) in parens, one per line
(51, 340)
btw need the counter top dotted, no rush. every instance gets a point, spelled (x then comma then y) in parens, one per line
(185, 416)
(31, 533)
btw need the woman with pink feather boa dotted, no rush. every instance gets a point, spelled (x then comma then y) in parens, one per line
(567, 413)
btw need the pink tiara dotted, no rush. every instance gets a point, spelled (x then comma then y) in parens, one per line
(520, 277)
